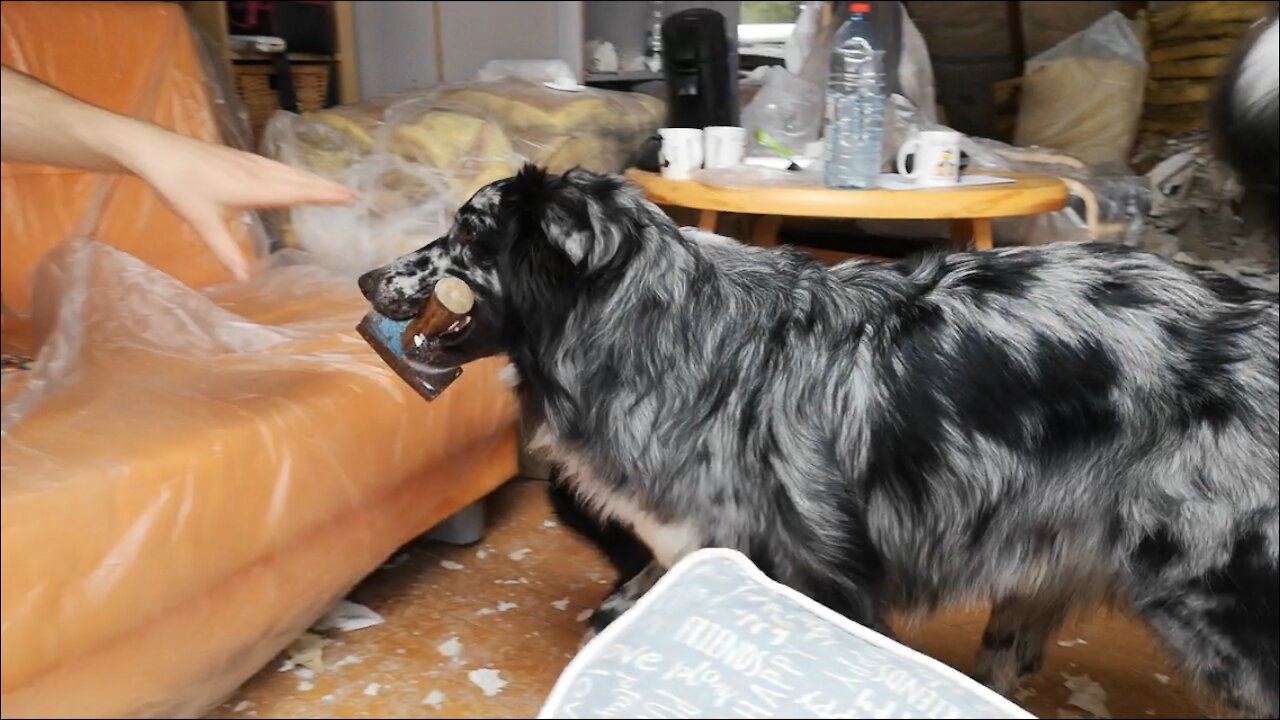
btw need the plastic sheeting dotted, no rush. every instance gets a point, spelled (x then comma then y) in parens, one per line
(190, 479)
(416, 158)
(1107, 204)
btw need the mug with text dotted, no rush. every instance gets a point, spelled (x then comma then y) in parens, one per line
(937, 157)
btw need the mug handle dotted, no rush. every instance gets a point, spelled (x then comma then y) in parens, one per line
(910, 147)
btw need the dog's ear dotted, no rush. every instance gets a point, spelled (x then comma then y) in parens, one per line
(539, 277)
(584, 216)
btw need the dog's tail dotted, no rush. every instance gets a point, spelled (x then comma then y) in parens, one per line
(1247, 119)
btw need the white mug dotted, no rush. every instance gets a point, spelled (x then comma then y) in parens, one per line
(725, 146)
(937, 159)
(681, 152)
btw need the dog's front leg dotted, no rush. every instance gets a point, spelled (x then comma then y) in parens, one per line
(623, 599)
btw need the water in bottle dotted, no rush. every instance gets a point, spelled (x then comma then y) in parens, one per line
(854, 104)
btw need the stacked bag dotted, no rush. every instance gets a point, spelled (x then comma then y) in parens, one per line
(416, 158)
(1188, 47)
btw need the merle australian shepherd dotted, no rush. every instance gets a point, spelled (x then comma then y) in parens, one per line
(1044, 429)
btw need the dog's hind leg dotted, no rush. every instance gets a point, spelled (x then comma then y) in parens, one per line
(1221, 626)
(1014, 640)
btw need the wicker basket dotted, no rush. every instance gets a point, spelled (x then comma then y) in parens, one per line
(255, 82)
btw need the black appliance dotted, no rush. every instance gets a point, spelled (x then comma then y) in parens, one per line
(699, 64)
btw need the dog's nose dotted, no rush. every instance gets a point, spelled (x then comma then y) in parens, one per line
(368, 283)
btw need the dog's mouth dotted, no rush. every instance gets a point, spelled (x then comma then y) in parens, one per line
(427, 347)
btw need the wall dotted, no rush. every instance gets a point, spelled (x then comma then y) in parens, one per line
(396, 41)
(625, 23)
(474, 33)
(395, 46)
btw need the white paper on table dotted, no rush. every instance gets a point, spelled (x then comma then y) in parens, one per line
(893, 181)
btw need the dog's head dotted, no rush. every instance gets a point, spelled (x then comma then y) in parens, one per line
(528, 246)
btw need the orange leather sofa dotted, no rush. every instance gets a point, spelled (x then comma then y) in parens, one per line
(193, 472)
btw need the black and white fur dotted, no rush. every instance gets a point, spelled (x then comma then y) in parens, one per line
(1246, 117)
(1044, 429)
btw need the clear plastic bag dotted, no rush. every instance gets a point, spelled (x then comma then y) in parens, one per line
(415, 158)
(787, 109)
(789, 105)
(1083, 97)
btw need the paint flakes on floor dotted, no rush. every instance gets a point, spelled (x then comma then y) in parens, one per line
(372, 689)
(451, 565)
(518, 555)
(347, 660)
(450, 648)
(1087, 695)
(488, 680)
(434, 700)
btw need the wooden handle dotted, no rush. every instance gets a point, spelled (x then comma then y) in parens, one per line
(451, 300)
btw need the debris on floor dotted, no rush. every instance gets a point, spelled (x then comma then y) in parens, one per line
(434, 699)
(436, 656)
(307, 651)
(347, 616)
(488, 680)
(1087, 695)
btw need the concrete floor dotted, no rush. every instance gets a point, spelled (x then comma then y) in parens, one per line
(484, 631)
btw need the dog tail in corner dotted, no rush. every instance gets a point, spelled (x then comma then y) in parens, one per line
(1247, 119)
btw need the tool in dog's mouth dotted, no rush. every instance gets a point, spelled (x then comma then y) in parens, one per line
(444, 320)
(407, 346)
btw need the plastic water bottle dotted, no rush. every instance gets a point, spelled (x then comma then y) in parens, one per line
(854, 104)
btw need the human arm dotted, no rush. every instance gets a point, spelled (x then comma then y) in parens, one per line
(200, 181)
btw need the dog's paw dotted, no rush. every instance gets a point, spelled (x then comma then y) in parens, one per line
(1002, 671)
(586, 638)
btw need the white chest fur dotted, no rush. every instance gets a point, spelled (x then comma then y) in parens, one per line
(669, 541)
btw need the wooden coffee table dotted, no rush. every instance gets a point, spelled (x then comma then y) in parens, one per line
(970, 210)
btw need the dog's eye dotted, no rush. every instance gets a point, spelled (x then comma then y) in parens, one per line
(465, 234)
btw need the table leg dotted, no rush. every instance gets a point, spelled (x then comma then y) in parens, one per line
(975, 233)
(708, 220)
(764, 231)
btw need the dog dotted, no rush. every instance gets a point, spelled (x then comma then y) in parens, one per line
(1046, 428)
(1246, 119)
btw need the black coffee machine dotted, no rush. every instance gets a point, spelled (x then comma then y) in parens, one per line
(700, 64)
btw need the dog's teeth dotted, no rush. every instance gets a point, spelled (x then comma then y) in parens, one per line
(419, 339)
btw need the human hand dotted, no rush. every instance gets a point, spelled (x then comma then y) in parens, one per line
(203, 182)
